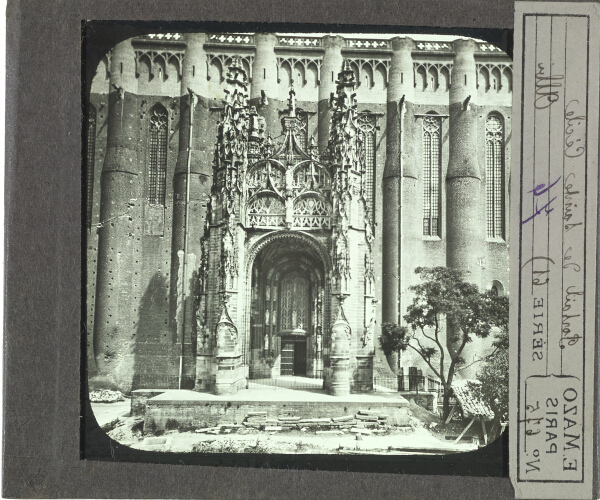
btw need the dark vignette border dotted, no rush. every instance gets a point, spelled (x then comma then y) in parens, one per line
(490, 461)
(42, 263)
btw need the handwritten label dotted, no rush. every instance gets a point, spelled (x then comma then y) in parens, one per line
(554, 278)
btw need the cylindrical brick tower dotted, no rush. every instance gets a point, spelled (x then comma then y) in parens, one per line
(399, 163)
(465, 236)
(194, 157)
(264, 91)
(120, 225)
(332, 65)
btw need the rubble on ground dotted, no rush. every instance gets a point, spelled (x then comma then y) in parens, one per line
(106, 396)
(362, 419)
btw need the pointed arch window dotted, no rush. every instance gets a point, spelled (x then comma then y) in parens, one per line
(432, 128)
(90, 163)
(157, 169)
(494, 175)
(367, 123)
(294, 302)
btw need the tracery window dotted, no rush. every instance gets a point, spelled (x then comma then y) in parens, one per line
(306, 173)
(494, 175)
(157, 169)
(266, 211)
(311, 213)
(367, 125)
(294, 302)
(258, 176)
(432, 126)
(90, 161)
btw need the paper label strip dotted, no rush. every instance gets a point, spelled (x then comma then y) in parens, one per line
(553, 249)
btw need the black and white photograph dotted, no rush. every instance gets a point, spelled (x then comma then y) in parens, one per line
(298, 243)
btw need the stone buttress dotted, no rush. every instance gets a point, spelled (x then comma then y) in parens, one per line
(195, 156)
(399, 178)
(263, 91)
(332, 63)
(119, 227)
(223, 252)
(353, 277)
(465, 211)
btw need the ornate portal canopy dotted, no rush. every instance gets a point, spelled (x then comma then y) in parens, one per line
(283, 298)
(288, 187)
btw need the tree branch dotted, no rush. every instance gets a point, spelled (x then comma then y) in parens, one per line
(428, 337)
(488, 357)
(425, 359)
(479, 360)
(453, 363)
(437, 338)
(442, 355)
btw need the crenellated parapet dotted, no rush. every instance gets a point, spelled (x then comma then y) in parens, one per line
(305, 63)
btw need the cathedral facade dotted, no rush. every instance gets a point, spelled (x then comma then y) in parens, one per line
(257, 204)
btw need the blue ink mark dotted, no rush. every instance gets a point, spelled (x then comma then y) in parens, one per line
(536, 189)
(538, 211)
(539, 190)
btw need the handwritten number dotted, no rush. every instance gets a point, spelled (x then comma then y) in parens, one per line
(539, 210)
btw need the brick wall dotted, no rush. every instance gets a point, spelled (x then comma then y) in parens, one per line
(145, 322)
(138, 401)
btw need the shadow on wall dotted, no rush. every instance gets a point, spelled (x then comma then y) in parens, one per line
(154, 362)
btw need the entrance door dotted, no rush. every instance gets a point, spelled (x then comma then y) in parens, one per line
(287, 358)
(293, 358)
(300, 358)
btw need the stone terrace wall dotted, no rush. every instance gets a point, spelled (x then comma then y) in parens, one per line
(190, 414)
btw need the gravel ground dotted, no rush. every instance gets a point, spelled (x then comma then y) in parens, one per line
(393, 440)
(106, 413)
(418, 438)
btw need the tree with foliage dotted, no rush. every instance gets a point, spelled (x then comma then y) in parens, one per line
(444, 303)
(493, 386)
(391, 343)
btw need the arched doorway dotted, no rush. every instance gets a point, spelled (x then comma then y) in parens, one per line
(287, 309)
(294, 322)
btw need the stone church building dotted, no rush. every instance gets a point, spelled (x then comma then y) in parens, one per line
(257, 203)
